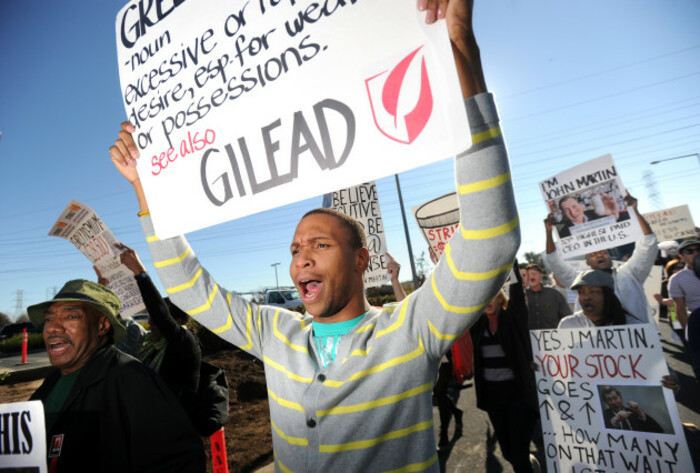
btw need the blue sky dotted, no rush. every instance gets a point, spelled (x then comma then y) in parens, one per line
(573, 80)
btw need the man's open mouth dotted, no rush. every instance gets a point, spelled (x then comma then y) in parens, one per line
(57, 346)
(310, 289)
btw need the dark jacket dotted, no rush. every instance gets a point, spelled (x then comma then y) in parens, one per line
(635, 423)
(515, 340)
(180, 367)
(120, 417)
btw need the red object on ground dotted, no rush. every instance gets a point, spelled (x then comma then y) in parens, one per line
(219, 462)
(25, 342)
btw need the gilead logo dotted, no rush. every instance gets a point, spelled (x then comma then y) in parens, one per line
(401, 99)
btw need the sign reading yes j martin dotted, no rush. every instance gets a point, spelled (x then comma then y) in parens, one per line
(244, 106)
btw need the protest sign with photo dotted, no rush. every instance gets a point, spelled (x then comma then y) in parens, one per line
(587, 202)
(240, 107)
(362, 203)
(602, 407)
(81, 225)
(438, 220)
(23, 448)
(671, 224)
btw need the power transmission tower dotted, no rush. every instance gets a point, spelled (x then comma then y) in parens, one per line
(652, 190)
(19, 302)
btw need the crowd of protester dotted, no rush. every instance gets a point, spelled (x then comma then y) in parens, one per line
(344, 371)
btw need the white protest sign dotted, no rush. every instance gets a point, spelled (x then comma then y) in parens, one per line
(587, 202)
(602, 407)
(24, 437)
(81, 225)
(438, 220)
(362, 203)
(244, 106)
(671, 224)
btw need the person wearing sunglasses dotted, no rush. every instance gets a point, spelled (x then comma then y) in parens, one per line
(684, 289)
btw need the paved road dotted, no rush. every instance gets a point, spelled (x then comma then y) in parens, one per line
(37, 366)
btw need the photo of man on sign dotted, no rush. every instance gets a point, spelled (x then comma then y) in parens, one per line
(633, 411)
(575, 213)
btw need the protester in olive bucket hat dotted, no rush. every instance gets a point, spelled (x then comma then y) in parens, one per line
(104, 410)
(81, 290)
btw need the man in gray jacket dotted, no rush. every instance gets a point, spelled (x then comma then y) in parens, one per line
(350, 385)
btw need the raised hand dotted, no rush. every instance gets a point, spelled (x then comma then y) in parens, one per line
(124, 153)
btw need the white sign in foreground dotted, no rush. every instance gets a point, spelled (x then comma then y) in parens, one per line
(671, 224)
(438, 220)
(588, 205)
(602, 407)
(240, 107)
(23, 445)
(362, 203)
(81, 225)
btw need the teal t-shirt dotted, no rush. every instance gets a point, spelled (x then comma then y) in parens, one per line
(327, 336)
(57, 397)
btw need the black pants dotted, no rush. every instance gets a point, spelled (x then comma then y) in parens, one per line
(447, 406)
(512, 422)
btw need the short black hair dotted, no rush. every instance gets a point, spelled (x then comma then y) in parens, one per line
(357, 233)
(609, 389)
(564, 199)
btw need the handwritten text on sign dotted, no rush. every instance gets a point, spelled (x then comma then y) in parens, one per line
(601, 405)
(243, 106)
(362, 203)
(671, 224)
(81, 225)
(587, 203)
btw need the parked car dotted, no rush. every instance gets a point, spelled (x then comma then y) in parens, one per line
(287, 298)
(10, 330)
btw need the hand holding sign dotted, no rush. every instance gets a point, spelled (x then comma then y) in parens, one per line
(393, 267)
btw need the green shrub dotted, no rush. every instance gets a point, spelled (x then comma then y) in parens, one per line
(14, 344)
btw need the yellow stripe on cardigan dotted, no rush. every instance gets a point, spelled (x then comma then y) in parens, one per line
(187, 285)
(152, 238)
(467, 276)
(413, 467)
(441, 336)
(384, 401)
(283, 338)
(290, 440)
(490, 183)
(453, 308)
(285, 402)
(177, 259)
(380, 367)
(248, 323)
(487, 233)
(366, 328)
(399, 320)
(280, 464)
(229, 322)
(281, 368)
(494, 132)
(360, 444)
(207, 305)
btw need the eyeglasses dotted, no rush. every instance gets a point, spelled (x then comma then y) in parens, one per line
(690, 251)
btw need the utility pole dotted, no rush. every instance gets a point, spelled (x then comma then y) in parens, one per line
(277, 282)
(408, 238)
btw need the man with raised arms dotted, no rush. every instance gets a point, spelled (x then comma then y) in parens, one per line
(350, 385)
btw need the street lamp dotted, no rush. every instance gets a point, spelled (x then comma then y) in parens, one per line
(677, 157)
(277, 282)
